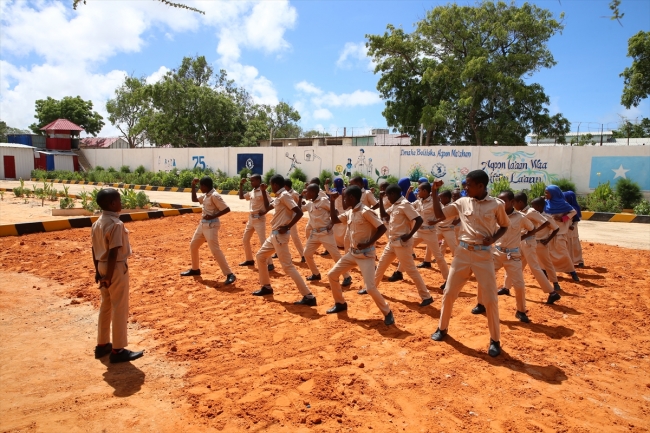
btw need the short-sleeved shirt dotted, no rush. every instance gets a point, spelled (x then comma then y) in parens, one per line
(362, 223)
(447, 223)
(338, 204)
(368, 198)
(319, 213)
(425, 208)
(512, 237)
(564, 225)
(546, 231)
(295, 196)
(323, 194)
(401, 215)
(479, 219)
(108, 232)
(386, 202)
(256, 201)
(533, 216)
(212, 203)
(283, 205)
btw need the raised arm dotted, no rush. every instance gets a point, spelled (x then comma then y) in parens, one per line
(194, 197)
(334, 215)
(241, 188)
(437, 207)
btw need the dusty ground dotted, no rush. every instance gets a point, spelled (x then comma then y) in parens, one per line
(16, 209)
(218, 358)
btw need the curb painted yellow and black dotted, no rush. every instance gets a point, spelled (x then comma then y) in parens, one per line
(133, 186)
(615, 217)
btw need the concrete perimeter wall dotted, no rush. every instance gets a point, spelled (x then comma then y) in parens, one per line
(586, 166)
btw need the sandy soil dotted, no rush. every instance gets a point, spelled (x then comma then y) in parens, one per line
(15, 209)
(227, 361)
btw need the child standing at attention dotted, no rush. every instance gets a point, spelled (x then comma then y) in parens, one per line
(573, 237)
(208, 229)
(295, 237)
(446, 227)
(111, 248)
(365, 228)
(256, 219)
(562, 212)
(544, 236)
(287, 213)
(480, 215)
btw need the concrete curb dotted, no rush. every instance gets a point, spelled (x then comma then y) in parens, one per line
(615, 217)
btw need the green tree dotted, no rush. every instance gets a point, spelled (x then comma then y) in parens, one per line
(313, 133)
(6, 130)
(555, 127)
(636, 78)
(71, 108)
(633, 130)
(461, 72)
(283, 119)
(128, 109)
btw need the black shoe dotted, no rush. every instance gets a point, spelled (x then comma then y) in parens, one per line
(313, 278)
(274, 256)
(270, 268)
(575, 277)
(522, 317)
(414, 256)
(555, 296)
(337, 308)
(362, 292)
(479, 309)
(325, 253)
(191, 273)
(347, 282)
(443, 285)
(580, 265)
(397, 276)
(303, 260)
(311, 302)
(495, 348)
(263, 291)
(556, 287)
(102, 351)
(248, 263)
(426, 302)
(389, 319)
(439, 335)
(424, 265)
(229, 279)
(125, 355)
(503, 291)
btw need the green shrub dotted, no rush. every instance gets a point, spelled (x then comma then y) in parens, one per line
(125, 169)
(610, 204)
(629, 193)
(245, 172)
(268, 175)
(499, 185)
(643, 208)
(298, 174)
(111, 170)
(229, 183)
(18, 191)
(185, 178)
(66, 203)
(219, 176)
(392, 180)
(39, 174)
(98, 168)
(324, 175)
(603, 192)
(142, 200)
(140, 170)
(297, 185)
(583, 201)
(536, 190)
(170, 179)
(565, 185)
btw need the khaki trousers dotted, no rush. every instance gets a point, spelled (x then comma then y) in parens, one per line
(481, 264)
(114, 307)
(575, 248)
(295, 237)
(403, 252)
(366, 264)
(315, 240)
(257, 225)
(280, 245)
(529, 257)
(560, 255)
(340, 231)
(514, 274)
(545, 261)
(451, 240)
(430, 238)
(208, 232)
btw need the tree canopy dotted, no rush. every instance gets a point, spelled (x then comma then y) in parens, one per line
(6, 130)
(462, 73)
(637, 76)
(633, 130)
(74, 109)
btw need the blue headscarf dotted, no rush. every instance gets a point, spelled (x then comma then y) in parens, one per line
(365, 183)
(557, 204)
(405, 184)
(463, 192)
(570, 197)
(420, 180)
(338, 185)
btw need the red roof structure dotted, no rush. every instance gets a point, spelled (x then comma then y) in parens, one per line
(62, 125)
(98, 141)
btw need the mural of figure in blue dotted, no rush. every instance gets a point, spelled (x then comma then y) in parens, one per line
(369, 167)
(293, 160)
(348, 168)
(361, 161)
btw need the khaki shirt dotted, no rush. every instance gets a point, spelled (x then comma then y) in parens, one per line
(108, 232)
(319, 213)
(386, 203)
(368, 198)
(479, 219)
(338, 204)
(533, 216)
(283, 205)
(362, 224)
(256, 201)
(212, 203)
(401, 215)
(564, 225)
(512, 237)
(425, 208)
(546, 231)
(295, 196)
(447, 223)
(323, 194)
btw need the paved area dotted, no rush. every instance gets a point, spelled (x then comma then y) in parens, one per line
(627, 235)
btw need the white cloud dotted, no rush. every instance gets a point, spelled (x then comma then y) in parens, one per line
(158, 75)
(307, 87)
(355, 55)
(322, 113)
(356, 98)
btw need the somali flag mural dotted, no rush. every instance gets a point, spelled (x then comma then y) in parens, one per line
(612, 168)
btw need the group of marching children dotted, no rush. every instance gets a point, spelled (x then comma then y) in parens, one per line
(483, 234)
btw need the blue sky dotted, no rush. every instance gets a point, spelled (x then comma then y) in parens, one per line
(308, 53)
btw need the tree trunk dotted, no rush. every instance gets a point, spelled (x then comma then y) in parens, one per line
(472, 124)
(429, 134)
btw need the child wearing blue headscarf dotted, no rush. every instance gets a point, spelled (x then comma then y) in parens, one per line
(573, 237)
(405, 183)
(562, 212)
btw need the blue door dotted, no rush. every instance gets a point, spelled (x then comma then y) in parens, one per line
(50, 162)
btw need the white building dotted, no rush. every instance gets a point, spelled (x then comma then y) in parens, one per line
(16, 161)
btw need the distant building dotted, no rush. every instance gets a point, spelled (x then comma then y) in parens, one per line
(379, 139)
(103, 143)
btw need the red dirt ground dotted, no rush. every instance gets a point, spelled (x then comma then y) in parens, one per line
(228, 361)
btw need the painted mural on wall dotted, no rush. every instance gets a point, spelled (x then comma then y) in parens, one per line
(519, 167)
(166, 164)
(611, 168)
(363, 165)
(252, 161)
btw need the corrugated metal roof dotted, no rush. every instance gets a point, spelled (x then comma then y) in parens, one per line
(99, 141)
(62, 125)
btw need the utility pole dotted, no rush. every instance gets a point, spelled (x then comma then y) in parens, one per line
(421, 132)
(601, 134)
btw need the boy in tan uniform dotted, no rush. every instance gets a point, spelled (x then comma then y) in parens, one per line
(111, 249)
(427, 232)
(256, 219)
(544, 236)
(480, 215)
(365, 228)
(208, 229)
(446, 227)
(297, 242)
(320, 233)
(286, 215)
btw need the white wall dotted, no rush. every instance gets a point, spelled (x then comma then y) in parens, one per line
(522, 165)
(63, 162)
(23, 160)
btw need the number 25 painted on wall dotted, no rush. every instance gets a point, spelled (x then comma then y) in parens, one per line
(198, 161)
